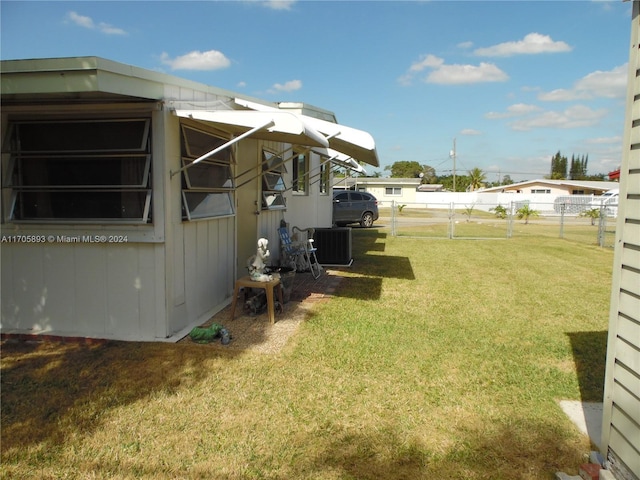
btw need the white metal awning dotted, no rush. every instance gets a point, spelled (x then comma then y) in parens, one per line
(276, 125)
(355, 143)
(340, 159)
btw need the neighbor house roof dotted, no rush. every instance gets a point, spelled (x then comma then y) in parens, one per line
(586, 184)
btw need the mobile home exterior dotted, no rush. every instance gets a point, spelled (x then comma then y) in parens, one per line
(621, 412)
(131, 199)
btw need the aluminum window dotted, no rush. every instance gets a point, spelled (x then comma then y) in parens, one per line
(79, 170)
(273, 184)
(324, 179)
(300, 174)
(207, 186)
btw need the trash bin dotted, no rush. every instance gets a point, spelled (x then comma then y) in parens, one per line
(287, 276)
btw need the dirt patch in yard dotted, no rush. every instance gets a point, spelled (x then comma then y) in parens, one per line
(256, 333)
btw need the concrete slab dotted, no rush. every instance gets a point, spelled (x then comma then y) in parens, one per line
(587, 417)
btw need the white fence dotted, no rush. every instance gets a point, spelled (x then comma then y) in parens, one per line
(545, 204)
(573, 217)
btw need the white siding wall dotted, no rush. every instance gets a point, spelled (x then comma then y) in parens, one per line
(209, 258)
(621, 419)
(201, 254)
(82, 289)
(312, 210)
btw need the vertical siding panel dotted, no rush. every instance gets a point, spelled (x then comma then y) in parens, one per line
(91, 293)
(145, 286)
(59, 284)
(28, 285)
(202, 268)
(7, 275)
(124, 310)
(190, 269)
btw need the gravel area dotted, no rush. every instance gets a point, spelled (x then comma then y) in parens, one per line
(256, 333)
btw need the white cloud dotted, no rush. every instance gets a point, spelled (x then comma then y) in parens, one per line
(289, 86)
(279, 4)
(241, 84)
(516, 110)
(598, 84)
(197, 60)
(426, 61)
(87, 22)
(533, 43)
(80, 20)
(274, 4)
(465, 45)
(460, 74)
(470, 131)
(605, 140)
(452, 74)
(573, 117)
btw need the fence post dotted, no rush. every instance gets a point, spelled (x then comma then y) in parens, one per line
(452, 214)
(602, 225)
(562, 209)
(510, 220)
(393, 218)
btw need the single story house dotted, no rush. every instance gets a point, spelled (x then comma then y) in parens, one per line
(555, 187)
(386, 190)
(131, 199)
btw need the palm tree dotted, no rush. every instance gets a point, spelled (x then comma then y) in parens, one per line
(525, 212)
(592, 213)
(477, 177)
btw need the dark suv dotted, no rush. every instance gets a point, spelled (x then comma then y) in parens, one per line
(354, 207)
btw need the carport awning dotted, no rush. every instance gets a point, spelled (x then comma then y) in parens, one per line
(340, 159)
(355, 143)
(277, 126)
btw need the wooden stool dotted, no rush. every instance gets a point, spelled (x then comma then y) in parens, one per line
(268, 288)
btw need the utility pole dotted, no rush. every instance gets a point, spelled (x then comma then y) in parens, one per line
(452, 154)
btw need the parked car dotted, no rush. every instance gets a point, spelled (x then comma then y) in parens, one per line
(354, 207)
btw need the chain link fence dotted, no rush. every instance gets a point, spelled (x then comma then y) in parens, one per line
(574, 218)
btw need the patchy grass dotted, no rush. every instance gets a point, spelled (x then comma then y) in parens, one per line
(435, 359)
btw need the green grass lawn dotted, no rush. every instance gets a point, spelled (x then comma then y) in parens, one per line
(435, 359)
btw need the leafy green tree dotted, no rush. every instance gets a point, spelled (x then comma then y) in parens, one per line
(558, 167)
(525, 212)
(462, 182)
(412, 169)
(404, 169)
(506, 180)
(500, 211)
(476, 178)
(578, 168)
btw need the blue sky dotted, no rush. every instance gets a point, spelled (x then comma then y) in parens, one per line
(512, 81)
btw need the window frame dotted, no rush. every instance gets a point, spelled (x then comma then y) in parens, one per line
(23, 145)
(300, 176)
(273, 181)
(222, 161)
(325, 169)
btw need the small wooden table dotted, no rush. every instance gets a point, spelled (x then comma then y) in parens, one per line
(268, 288)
